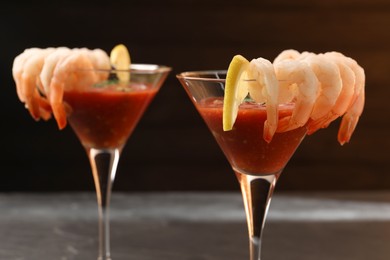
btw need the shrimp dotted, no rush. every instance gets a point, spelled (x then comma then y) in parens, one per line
(344, 99)
(287, 55)
(42, 76)
(50, 63)
(266, 89)
(355, 107)
(298, 84)
(68, 75)
(26, 71)
(322, 87)
(17, 69)
(328, 75)
(100, 60)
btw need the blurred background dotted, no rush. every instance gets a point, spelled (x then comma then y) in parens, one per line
(171, 149)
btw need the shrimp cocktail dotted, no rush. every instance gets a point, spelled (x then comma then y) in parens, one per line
(259, 112)
(102, 97)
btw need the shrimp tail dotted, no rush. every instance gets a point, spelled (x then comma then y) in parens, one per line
(44, 109)
(316, 125)
(271, 124)
(269, 131)
(60, 115)
(31, 95)
(347, 127)
(56, 95)
(299, 118)
(350, 120)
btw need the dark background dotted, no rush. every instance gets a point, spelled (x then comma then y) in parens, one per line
(171, 148)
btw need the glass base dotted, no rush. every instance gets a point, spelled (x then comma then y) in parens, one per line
(104, 258)
(256, 192)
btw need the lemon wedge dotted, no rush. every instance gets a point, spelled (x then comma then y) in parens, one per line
(236, 89)
(120, 60)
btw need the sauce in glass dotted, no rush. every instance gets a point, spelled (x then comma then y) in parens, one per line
(244, 145)
(106, 117)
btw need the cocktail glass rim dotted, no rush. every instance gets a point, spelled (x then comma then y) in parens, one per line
(190, 75)
(136, 67)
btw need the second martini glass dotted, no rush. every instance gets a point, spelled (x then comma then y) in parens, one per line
(103, 116)
(256, 163)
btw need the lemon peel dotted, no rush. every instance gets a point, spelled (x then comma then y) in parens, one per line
(120, 60)
(236, 90)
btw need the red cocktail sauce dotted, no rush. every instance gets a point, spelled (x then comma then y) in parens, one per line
(105, 117)
(244, 146)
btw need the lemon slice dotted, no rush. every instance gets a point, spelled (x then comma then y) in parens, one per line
(120, 60)
(236, 89)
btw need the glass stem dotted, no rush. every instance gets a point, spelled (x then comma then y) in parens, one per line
(257, 193)
(104, 164)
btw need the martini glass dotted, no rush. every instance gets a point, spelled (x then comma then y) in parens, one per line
(103, 116)
(256, 163)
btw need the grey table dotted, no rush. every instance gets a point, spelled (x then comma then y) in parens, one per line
(191, 226)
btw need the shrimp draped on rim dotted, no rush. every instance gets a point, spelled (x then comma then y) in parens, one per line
(264, 89)
(322, 87)
(42, 76)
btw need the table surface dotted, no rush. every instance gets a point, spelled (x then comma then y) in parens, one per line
(191, 226)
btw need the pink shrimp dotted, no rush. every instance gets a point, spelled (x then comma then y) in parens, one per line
(42, 75)
(355, 107)
(26, 71)
(48, 67)
(74, 71)
(287, 55)
(266, 89)
(328, 75)
(298, 84)
(344, 99)
(17, 69)
(322, 87)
